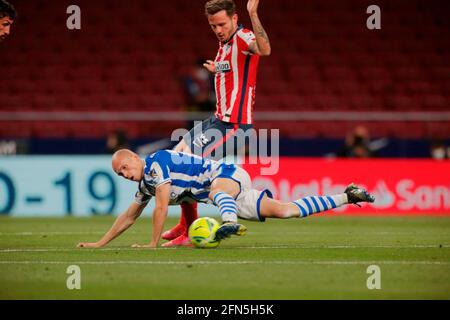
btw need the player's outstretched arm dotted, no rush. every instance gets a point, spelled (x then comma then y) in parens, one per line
(262, 44)
(159, 215)
(122, 223)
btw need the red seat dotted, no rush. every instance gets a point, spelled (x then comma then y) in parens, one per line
(323, 58)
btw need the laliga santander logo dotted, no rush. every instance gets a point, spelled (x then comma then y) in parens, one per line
(285, 192)
(404, 194)
(398, 186)
(422, 197)
(384, 198)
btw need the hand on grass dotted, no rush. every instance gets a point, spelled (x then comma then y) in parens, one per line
(88, 245)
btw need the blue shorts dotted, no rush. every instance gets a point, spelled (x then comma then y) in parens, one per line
(216, 139)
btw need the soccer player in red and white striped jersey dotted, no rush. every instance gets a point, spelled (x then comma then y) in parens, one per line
(235, 68)
(235, 78)
(237, 59)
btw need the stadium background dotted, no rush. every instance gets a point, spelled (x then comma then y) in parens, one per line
(64, 93)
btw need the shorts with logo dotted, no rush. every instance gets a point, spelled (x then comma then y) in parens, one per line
(216, 139)
(249, 199)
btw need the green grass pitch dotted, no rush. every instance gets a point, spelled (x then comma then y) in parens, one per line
(321, 257)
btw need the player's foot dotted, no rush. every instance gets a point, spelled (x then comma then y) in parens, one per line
(229, 228)
(173, 233)
(356, 194)
(180, 241)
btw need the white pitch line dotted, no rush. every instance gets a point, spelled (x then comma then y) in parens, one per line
(418, 246)
(62, 250)
(435, 246)
(338, 232)
(57, 233)
(33, 233)
(242, 262)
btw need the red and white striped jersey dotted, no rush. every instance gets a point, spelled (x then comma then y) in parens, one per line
(235, 78)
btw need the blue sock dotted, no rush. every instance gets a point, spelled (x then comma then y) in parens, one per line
(316, 204)
(227, 206)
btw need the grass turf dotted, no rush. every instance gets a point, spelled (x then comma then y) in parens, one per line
(321, 257)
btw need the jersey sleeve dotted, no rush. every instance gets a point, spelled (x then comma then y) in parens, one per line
(247, 37)
(142, 196)
(159, 171)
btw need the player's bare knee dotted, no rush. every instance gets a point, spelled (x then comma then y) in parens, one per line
(227, 186)
(213, 193)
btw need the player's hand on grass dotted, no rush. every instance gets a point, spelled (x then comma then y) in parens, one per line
(252, 6)
(209, 65)
(89, 245)
(150, 245)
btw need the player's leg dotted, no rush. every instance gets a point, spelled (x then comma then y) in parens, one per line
(188, 210)
(182, 147)
(207, 139)
(178, 235)
(306, 206)
(178, 230)
(271, 208)
(223, 193)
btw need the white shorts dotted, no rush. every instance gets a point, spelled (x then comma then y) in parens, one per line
(249, 199)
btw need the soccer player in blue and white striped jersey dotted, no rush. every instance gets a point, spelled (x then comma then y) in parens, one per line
(173, 177)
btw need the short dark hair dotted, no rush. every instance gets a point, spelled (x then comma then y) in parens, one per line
(7, 10)
(214, 6)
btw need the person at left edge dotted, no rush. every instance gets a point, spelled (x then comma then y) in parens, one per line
(7, 16)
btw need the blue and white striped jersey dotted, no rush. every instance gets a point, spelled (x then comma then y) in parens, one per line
(190, 176)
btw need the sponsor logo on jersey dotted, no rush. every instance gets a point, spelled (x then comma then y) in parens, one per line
(201, 140)
(223, 66)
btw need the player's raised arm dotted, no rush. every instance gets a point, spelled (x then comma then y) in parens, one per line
(159, 215)
(122, 223)
(262, 44)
